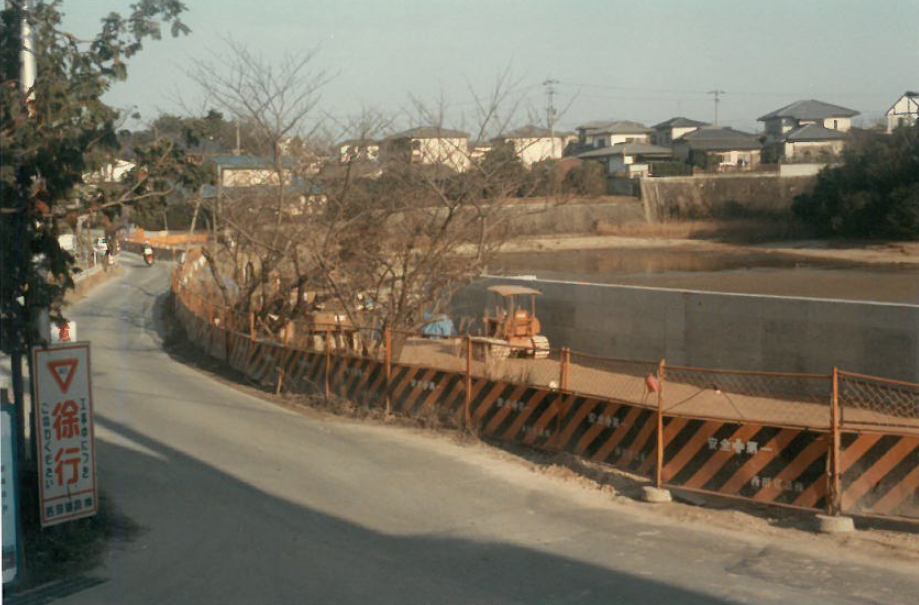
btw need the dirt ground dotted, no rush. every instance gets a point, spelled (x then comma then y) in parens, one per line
(860, 252)
(781, 400)
(817, 269)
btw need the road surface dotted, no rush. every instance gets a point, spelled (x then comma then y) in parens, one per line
(241, 501)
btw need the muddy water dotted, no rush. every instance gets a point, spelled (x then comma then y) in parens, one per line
(717, 271)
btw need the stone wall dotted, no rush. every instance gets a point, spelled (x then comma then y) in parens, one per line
(721, 196)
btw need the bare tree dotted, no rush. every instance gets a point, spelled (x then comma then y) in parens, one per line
(383, 247)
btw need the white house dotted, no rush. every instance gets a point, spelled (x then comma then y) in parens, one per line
(904, 112)
(249, 171)
(812, 142)
(534, 144)
(632, 159)
(428, 145)
(604, 134)
(670, 130)
(801, 113)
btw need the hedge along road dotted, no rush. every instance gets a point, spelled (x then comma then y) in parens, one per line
(241, 501)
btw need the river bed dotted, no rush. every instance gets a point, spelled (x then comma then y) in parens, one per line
(742, 271)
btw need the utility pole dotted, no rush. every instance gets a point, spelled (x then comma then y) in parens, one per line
(717, 93)
(27, 75)
(237, 151)
(551, 113)
(550, 104)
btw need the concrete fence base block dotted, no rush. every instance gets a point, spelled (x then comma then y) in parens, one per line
(650, 493)
(828, 524)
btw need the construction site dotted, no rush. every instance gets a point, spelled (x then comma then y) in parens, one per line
(836, 441)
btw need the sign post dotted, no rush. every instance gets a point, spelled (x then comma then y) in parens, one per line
(10, 483)
(65, 433)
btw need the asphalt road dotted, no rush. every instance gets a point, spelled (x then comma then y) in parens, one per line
(240, 501)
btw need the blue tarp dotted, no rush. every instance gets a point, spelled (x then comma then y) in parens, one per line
(438, 326)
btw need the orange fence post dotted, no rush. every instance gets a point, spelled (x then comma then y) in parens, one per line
(659, 469)
(251, 325)
(834, 502)
(288, 332)
(468, 383)
(387, 344)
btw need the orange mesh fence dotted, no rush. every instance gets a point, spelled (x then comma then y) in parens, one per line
(869, 401)
(779, 399)
(614, 379)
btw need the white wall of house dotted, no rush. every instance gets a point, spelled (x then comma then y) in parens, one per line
(734, 157)
(449, 152)
(904, 113)
(608, 140)
(532, 150)
(801, 149)
(800, 169)
(838, 123)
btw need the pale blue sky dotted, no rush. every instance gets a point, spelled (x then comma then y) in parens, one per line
(642, 60)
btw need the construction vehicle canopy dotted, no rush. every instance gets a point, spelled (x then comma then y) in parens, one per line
(511, 290)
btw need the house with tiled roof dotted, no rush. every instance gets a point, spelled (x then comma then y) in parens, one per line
(905, 112)
(632, 159)
(780, 122)
(598, 134)
(535, 144)
(670, 130)
(812, 142)
(721, 145)
(428, 145)
(249, 170)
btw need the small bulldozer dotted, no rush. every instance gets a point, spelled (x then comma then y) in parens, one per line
(513, 329)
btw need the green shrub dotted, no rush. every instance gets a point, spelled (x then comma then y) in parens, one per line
(874, 193)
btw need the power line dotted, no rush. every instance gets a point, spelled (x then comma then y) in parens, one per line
(776, 93)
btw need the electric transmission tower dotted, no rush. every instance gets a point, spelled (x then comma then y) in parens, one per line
(551, 113)
(717, 93)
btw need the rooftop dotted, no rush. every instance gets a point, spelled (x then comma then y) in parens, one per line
(429, 132)
(531, 132)
(717, 138)
(810, 109)
(814, 132)
(618, 127)
(679, 122)
(633, 148)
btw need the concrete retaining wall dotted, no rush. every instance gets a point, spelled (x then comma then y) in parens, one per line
(721, 196)
(578, 217)
(541, 216)
(729, 331)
